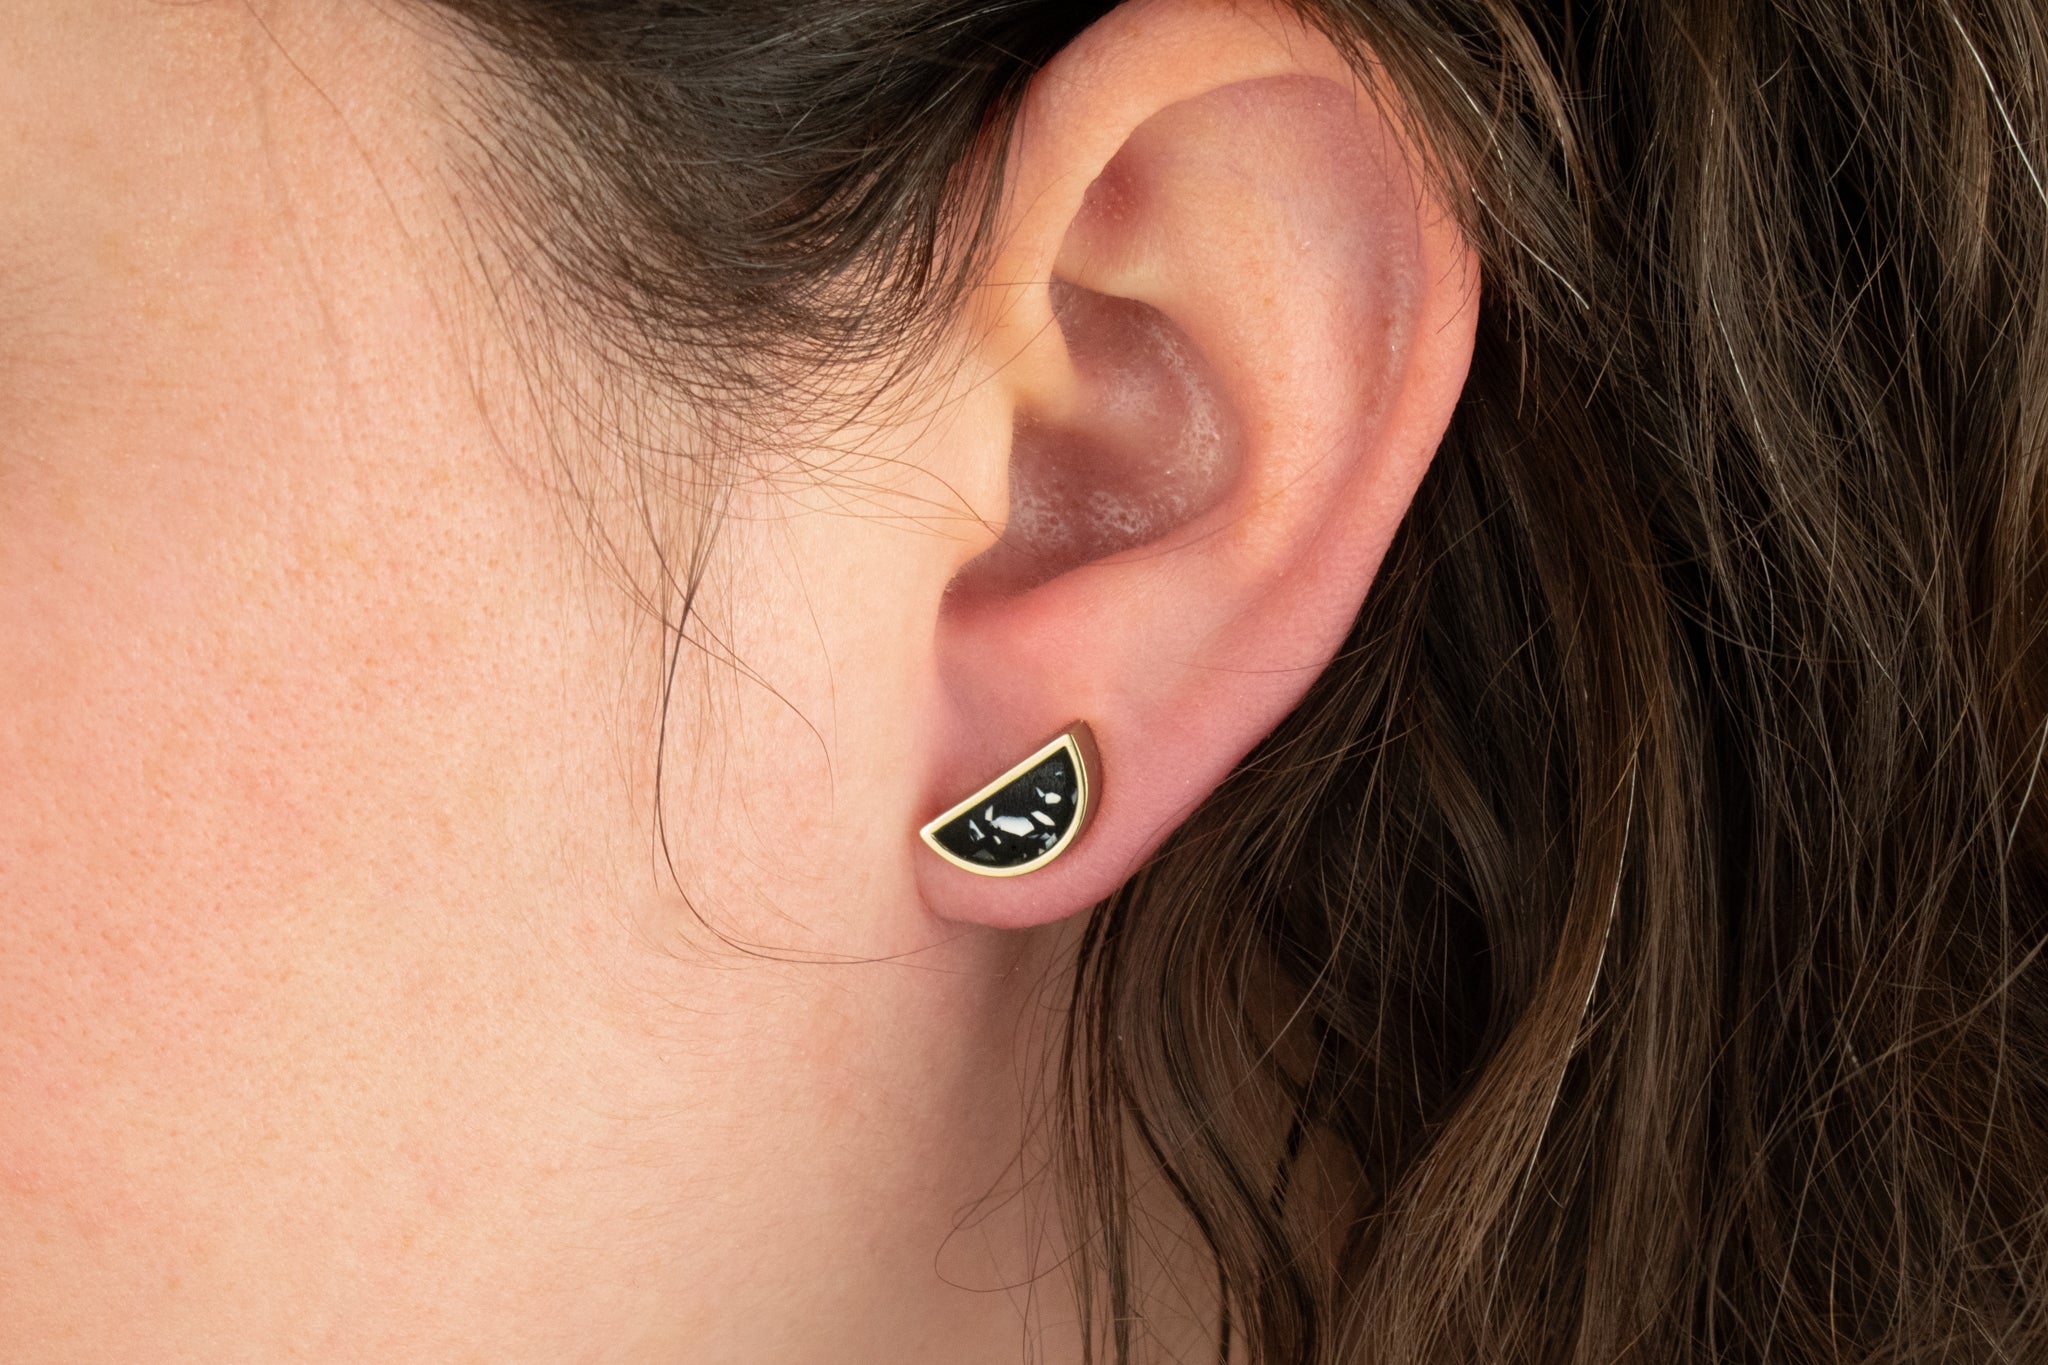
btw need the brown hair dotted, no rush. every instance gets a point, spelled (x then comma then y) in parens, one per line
(1641, 919)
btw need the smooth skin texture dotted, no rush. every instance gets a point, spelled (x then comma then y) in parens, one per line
(345, 1010)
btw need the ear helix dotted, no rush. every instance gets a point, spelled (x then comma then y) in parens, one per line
(1028, 816)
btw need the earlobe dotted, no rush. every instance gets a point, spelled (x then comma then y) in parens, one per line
(1244, 329)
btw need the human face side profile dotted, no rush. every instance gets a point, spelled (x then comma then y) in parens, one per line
(348, 1007)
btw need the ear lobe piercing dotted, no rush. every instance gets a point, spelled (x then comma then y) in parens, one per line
(1028, 816)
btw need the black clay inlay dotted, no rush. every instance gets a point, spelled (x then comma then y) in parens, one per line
(1021, 822)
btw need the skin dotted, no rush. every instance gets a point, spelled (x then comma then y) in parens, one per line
(346, 1009)
(336, 981)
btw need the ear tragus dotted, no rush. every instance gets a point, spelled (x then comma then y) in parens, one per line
(1150, 445)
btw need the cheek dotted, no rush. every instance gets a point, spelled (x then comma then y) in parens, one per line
(300, 868)
(248, 736)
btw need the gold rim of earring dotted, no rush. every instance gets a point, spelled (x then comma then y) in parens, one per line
(977, 817)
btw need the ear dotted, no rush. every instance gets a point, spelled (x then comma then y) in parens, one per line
(1231, 330)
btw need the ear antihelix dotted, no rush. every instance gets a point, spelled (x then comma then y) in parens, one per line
(1028, 816)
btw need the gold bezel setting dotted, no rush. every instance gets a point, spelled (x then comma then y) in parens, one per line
(977, 817)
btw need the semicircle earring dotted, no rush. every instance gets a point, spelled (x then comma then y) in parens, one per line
(1028, 816)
